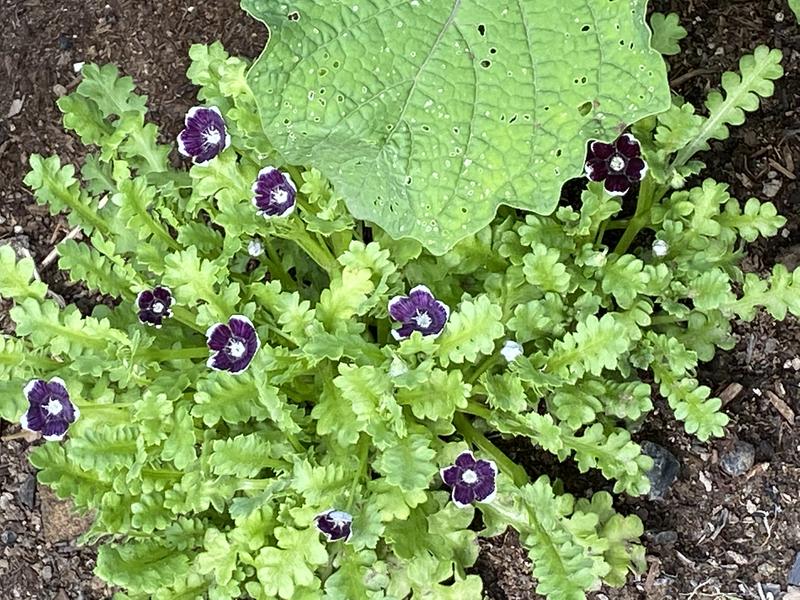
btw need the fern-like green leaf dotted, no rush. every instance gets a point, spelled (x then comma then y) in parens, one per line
(17, 279)
(471, 331)
(667, 32)
(742, 93)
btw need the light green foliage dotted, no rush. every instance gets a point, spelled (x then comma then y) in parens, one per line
(667, 32)
(358, 89)
(795, 6)
(680, 130)
(205, 484)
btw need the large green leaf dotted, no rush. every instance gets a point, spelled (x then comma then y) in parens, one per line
(429, 114)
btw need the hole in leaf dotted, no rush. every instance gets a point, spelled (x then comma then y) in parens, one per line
(340, 98)
(322, 72)
(492, 50)
(558, 152)
(585, 108)
(408, 180)
(586, 28)
(486, 63)
(335, 64)
(512, 119)
(293, 16)
(482, 29)
(425, 128)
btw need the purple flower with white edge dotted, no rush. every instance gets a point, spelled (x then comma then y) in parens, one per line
(274, 193)
(233, 345)
(618, 165)
(154, 305)
(471, 480)
(335, 524)
(204, 135)
(50, 412)
(419, 311)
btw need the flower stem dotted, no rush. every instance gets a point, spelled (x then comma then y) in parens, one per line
(155, 354)
(487, 364)
(92, 406)
(476, 438)
(640, 219)
(363, 453)
(276, 266)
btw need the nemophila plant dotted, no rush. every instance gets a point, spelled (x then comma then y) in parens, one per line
(322, 411)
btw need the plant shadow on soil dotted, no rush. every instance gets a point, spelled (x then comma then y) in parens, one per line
(713, 535)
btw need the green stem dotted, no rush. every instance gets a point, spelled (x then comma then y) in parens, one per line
(93, 406)
(641, 218)
(666, 319)
(476, 438)
(487, 364)
(363, 453)
(156, 354)
(276, 266)
(160, 232)
(185, 317)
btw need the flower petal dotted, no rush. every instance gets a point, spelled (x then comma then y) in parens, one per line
(218, 336)
(601, 150)
(628, 146)
(465, 460)
(462, 495)
(144, 299)
(402, 308)
(36, 392)
(451, 475)
(617, 185)
(636, 169)
(597, 169)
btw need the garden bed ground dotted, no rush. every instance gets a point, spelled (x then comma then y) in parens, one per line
(713, 536)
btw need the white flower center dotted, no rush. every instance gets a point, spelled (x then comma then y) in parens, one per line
(422, 319)
(279, 195)
(236, 348)
(54, 407)
(469, 476)
(617, 163)
(158, 307)
(211, 136)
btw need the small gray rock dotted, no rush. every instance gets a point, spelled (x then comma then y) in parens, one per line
(47, 572)
(794, 574)
(664, 472)
(665, 538)
(8, 538)
(26, 494)
(739, 459)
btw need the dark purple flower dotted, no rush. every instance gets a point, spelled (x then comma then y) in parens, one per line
(419, 311)
(471, 480)
(618, 164)
(204, 135)
(154, 305)
(50, 412)
(274, 193)
(335, 524)
(233, 345)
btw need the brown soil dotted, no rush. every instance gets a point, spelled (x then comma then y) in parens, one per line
(714, 536)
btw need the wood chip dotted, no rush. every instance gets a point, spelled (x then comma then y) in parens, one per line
(781, 406)
(779, 167)
(730, 393)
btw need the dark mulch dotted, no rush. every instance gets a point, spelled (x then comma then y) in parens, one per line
(713, 536)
